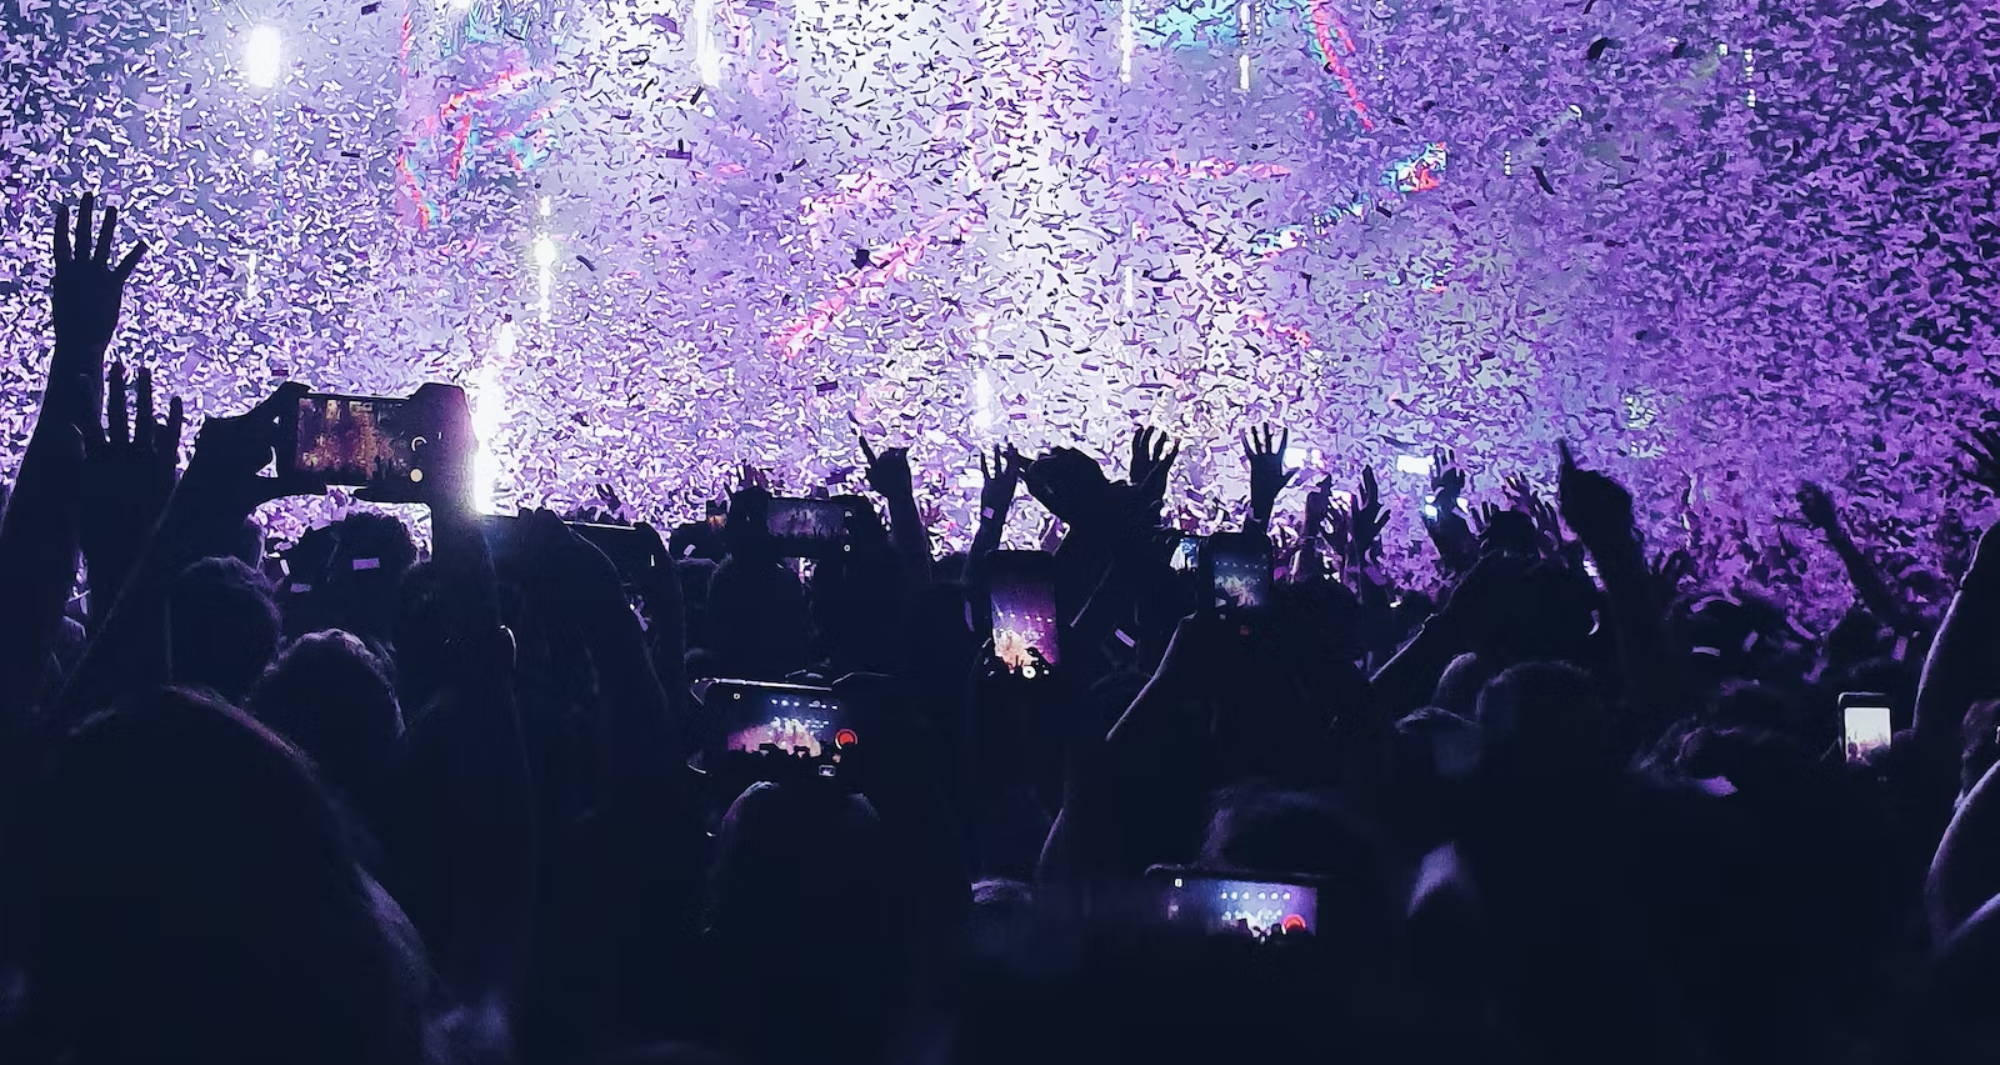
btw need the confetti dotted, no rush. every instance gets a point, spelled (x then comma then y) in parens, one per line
(981, 220)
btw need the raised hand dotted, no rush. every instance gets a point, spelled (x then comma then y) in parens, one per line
(889, 472)
(1000, 478)
(1456, 543)
(85, 296)
(134, 456)
(1152, 459)
(1366, 517)
(1319, 504)
(1982, 450)
(1448, 480)
(1670, 571)
(1523, 497)
(1816, 506)
(1268, 475)
(128, 473)
(1071, 485)
(1597, 507)
(222, 475)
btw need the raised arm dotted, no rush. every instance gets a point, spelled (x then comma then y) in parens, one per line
(39, 534)
(1818, 508)
(999, 480)
(1599, 509)
(1962, 666)
(1265, 454)
(1444, 515)
(219, 491)
(890, 476)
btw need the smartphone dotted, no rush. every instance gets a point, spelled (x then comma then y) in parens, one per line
(1239, 571)
(1024, 612)
(806, 528)
(1187, 554)
(1866, 723)
(356, 440)
(627, 548)
(794, 720)
(624, 545)
(1233, 903)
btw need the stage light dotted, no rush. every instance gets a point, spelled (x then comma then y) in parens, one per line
(545, 252)
(263, 52)
(982, 401)
(1127, 38)
(707, 56)
(1413, 464)
(260, 158)
(488, 403)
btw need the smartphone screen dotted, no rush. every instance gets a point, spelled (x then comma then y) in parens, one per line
(806, 528)
(1867, 724)
(1187, 554)
(1227, 905)
(789, 719)
(1024, 612)
(358, 440)
(1239, 567)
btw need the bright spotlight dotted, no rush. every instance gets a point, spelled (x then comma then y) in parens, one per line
(262, 54)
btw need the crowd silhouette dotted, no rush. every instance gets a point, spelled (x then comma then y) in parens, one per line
(366, 803)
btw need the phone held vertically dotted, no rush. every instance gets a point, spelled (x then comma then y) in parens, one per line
(1025, 626)
(1867, 725)
(1238, 567)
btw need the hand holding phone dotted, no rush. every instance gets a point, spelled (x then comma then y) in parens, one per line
(416, 448)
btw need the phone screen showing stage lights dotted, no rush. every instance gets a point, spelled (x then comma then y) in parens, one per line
(806, 528)
(1239, 571)
(785, 719)
(1241, 907)
(358, 440)
(1024, 612)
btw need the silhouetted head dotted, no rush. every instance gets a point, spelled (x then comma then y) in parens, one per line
(222, 627)
(331, 696)
(1544, 714)
(197, 900)
(757, 619)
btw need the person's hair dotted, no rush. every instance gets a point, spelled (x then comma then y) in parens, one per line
(222, 626)
(758, 623)
(195, 899)
(1544, 713)
(330, 695)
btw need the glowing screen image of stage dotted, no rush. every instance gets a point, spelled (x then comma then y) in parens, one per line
(1260, 908)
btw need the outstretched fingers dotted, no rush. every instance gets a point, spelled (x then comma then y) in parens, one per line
(117, 429)
(83, 213)
(143, 434)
